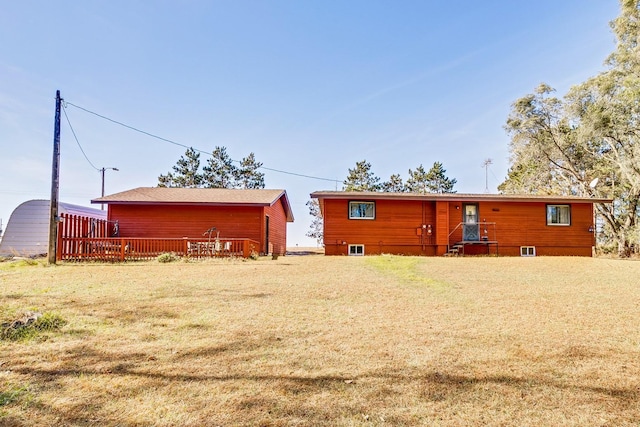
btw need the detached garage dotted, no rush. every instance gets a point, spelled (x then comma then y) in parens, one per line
(159, 212)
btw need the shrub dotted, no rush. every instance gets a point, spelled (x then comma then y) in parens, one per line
(167, 257)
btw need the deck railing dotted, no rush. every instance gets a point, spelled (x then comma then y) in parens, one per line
(88, 239)
(484, 232)
(139, 248)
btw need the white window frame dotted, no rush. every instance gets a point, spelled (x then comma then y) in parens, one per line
(557, 216)
(355, 250)
(527, 251)
(360, 210)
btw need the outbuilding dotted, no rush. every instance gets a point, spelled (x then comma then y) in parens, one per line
(27, 232)
(160, 212)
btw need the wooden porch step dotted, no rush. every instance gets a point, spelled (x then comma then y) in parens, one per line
(454, 250)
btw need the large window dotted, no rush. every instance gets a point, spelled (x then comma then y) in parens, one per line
(362, 210)
(558, 215)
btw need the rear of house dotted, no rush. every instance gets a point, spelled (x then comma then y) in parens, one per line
(360, 223)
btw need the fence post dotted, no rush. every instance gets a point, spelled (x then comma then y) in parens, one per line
(122, 247)
(59, 240)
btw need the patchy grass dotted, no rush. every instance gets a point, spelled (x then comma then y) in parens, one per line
(47, 322)
(16, 263)
(311, 340)
(406, 270)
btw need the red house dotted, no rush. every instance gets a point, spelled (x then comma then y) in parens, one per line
(157, 212)
(359, 223)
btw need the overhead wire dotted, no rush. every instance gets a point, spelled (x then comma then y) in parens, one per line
(186, 146)
(64, 110)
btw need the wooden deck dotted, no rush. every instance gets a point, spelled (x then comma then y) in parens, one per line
(86, 239)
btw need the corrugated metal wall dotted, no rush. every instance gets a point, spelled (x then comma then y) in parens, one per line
(27, 232)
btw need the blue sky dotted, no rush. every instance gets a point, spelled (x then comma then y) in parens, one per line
(311, 87)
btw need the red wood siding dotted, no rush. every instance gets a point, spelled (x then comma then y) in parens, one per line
(525, 224)
(187, 221)
(278, 227)
(397, 228)
(442, 227)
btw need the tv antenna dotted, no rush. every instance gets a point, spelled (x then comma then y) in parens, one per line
(485, 165)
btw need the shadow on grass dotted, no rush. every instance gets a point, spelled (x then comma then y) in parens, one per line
(292, 396)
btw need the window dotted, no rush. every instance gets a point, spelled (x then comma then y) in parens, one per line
(558, 215)
(356, 250)
(362, 210)
(527, 251)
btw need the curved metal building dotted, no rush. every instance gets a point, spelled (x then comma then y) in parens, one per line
(27, 232)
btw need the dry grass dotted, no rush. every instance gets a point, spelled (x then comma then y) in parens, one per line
(315, 340)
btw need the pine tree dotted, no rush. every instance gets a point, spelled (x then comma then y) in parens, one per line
(247, 175)
(361, 178)
(394, 185)
(185, 172)
(437, 180)
(220, 171)
(417, 181)
(432, 181)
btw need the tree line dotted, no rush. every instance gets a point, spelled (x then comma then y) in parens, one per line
(218, 172)
(361, 178)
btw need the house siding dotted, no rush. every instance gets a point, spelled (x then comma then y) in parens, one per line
(525, 224)
(188, 221)
(277, 227)
(397, 228)
(400, 227)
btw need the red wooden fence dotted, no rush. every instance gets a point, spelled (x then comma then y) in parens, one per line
(82, 226)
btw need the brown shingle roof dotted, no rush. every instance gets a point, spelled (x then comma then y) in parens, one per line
(210, 196)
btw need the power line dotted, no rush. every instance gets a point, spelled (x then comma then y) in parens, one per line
(64, 110)
(185, 146)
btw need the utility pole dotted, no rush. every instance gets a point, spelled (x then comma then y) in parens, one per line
(485, 165)
(55, 184)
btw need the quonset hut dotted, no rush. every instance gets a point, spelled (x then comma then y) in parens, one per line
(27, 232)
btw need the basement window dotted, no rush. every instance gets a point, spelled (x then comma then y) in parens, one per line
(362, 210)
(558, 215)
(356, 250)
(527, 251)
